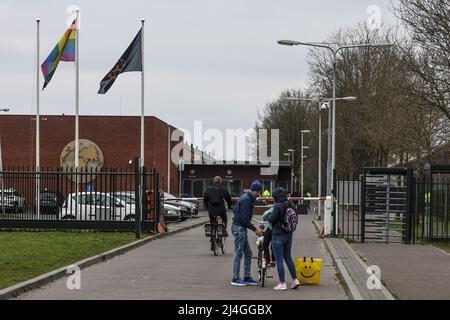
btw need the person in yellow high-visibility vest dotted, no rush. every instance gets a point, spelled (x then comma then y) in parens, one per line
(266, 194)
(427, 199)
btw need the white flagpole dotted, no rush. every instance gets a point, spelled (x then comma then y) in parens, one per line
(77, 93)
(142, 94)
(38, 140)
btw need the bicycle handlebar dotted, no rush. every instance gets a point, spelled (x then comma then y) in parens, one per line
(259, 222)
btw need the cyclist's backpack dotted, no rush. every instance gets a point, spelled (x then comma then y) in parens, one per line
(290, 221)
(215, 196)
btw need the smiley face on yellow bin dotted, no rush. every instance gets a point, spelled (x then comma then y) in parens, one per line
(308, 270)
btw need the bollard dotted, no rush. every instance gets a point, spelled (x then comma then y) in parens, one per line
(328, 219)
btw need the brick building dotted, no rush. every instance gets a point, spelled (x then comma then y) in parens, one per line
(118, 138)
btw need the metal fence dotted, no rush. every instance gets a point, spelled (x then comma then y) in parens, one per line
(431, 222)
(113, 199)
(348, 209)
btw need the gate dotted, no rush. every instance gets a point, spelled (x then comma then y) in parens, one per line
(386, 205)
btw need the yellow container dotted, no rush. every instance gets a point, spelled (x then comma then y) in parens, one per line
(308, 270)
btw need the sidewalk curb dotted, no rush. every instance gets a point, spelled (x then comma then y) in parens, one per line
(19, 289)
(348, 282)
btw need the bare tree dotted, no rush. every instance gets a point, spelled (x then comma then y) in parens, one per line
(427, 55)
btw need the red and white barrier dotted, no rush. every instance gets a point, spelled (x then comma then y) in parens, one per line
(259, 199)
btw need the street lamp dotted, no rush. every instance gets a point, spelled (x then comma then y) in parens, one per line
(303, 148)
(335, 52)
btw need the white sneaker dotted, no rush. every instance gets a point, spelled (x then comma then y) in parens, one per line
(295, 284)
(281, 287)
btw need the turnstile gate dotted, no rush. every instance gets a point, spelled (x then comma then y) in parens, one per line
(386, 205)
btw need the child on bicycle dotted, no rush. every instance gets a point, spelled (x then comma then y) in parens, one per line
(268, 239)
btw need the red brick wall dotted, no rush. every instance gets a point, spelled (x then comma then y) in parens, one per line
(117, 136)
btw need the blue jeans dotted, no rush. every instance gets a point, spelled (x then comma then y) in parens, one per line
(241, 248)
(282, 245)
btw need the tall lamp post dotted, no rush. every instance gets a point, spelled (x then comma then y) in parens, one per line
(335, 51)
(1, 167)
(302, 160)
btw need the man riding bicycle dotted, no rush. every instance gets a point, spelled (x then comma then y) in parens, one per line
(213, 200)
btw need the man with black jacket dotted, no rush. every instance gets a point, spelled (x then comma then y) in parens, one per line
(214, 200)
(242, 221)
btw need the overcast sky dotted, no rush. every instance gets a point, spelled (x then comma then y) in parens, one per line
(210, 60)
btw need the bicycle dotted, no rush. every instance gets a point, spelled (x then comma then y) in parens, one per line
(262, 263)
(218, 241)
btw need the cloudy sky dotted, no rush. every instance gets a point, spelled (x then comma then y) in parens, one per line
(210, 60)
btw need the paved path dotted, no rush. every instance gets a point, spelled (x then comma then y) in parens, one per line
(411, 272)
(182, 267)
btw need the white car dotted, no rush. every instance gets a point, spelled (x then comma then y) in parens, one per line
(193, 208)
(96, 206)
(171, 213)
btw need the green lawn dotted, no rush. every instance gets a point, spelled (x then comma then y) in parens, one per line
(442, 245)
(25, 255)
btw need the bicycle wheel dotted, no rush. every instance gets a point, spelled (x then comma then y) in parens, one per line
(263, 276)
(259, 264)
(215, 244)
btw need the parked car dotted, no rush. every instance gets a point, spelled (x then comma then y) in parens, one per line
(192, 207)
(50, 202)
(12, 201)
(96, 206)
(184, 211)
(171, 213)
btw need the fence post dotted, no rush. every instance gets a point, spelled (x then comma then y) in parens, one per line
(137, 213)
(156, 200)
(144, 194)
(334, 203)
(363, 207)
(410, 205)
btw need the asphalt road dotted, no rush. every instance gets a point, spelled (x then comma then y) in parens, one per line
(183, 267)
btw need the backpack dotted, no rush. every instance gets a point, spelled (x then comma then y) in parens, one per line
(215, 196)
(290, 220)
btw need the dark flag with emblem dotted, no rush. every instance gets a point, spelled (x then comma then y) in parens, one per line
(131, 60)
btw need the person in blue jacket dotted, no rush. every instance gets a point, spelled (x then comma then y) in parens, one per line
(242, 221)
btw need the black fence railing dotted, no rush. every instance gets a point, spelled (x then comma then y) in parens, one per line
(348, 207)
(431, 219)
(108, 199)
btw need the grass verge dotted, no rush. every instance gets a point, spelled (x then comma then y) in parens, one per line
(442, 245)
(25, 255)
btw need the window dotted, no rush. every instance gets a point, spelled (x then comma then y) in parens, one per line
(236, 188)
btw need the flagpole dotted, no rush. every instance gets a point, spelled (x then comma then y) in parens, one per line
(38, 140)
(142, 95)
(77, 92)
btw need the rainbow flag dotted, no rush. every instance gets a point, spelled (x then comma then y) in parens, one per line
(64, 51)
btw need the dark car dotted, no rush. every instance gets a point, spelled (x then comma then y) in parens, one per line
(185, 212)
(50, 202)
